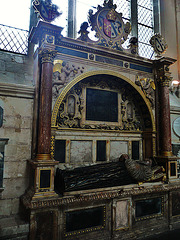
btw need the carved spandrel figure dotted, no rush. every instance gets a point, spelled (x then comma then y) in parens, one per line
(147, 86)
(63, 76)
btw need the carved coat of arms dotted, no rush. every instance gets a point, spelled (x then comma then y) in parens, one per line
(109, 26)
(46, 10)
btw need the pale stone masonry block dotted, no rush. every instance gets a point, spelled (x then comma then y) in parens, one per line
(5, 207)
(26, 122)
(9, 206)
(14, 187)
(7, 77)
(15, 169)
(15, 206)
(13, 226)
(10, 150)
(18, 106)
(23, 152)
(2, 66)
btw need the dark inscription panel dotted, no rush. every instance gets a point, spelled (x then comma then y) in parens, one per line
(45, 178)
(101, 105)
(148, 207)
(101, 151)
(135, 150)
(85, 218)
(175, 203)
(173, 169)
(60, 151)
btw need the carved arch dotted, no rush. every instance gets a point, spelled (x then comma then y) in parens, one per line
(94, 73)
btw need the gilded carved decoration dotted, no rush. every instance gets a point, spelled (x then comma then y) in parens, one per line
(109, 26)
(158, 43)
(46, 55)
(162, 73)
(147, 85)
(63, 72)
(111, 74)
(164, 76)
(72, 111)
(46, 10)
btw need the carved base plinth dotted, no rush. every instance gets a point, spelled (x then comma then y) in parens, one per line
(43, 167)
(170, 165)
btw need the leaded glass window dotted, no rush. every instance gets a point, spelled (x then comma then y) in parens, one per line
(145, 27)
(124, 7)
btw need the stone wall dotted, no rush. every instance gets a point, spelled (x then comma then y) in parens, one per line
(16, 100)
(15, 68)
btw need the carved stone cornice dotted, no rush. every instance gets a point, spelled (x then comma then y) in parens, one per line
(47, 55)
(162, 73)
(16, 90)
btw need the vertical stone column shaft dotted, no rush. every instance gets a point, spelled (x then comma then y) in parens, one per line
(164, 120)
(163, 78)
(45, 101)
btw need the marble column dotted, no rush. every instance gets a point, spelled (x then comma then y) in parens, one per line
(43, 164)
(45, 103)
(163, 78)
(164, 118)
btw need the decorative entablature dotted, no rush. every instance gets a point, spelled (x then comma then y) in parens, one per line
(49, 36)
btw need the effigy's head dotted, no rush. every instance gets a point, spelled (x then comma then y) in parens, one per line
(123, 157)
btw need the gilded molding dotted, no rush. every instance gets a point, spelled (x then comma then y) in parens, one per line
(52, 146)
(47, 56)
(85, 197)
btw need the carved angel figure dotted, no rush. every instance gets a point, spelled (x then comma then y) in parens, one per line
(147, 86)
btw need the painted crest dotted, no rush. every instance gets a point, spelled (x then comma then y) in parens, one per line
(109, 26)
(46, 10)
(158, 43)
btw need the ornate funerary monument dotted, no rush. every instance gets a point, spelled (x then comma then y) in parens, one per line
(96, 101)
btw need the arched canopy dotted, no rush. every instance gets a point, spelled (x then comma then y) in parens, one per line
(126, 83)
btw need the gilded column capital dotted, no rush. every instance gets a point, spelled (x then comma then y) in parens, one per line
(162, 73)
(164, 76)
(47, 55)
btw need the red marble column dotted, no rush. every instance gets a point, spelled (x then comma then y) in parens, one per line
(164, 120)
(45, 103)
(165, 156)
(163, 77)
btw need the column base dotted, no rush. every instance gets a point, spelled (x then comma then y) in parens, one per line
(169, 162)
(43, 167)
